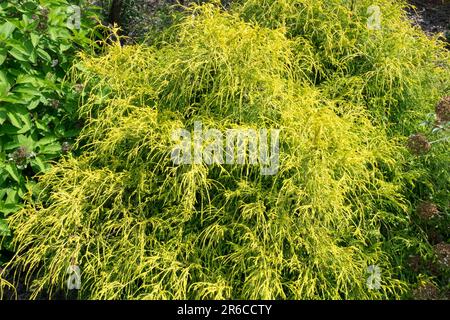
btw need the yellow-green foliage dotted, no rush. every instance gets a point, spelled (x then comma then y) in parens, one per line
(140, 227)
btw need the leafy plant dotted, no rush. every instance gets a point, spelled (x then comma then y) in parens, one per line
(345, 99)
(431, 203)
(38, 42)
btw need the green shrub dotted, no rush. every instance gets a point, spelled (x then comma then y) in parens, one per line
(399, 75)
(37, 103)
(429, 196)
(141, 227)
(397, 72)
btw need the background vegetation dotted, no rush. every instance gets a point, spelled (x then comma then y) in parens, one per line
(37, 100)
(363, 176)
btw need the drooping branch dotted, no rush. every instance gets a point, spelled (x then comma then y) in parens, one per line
(115, 12)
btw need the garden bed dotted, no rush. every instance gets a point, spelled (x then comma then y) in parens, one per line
(362, 185)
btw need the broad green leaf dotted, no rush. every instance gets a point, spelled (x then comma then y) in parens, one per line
(13, 172)
(6, 30)
(35, 38)
(14, 119)
(64, 47)
(48, 139)
(3, 54)
(30, 6)
(3, 116)
(12, 196)
(3, 176)
(4, 229)
(27, 125)
(33, 57)
(19, 55)
(26, 78)
(44, 55)
(54, 33)
(33, 104)
(8, 129)
(38, 165)
(4, 84)
(12, 145)
(13, 99)
(26, 141)
(27, 89)
(52, 148)
(21, 51)
(41, 125)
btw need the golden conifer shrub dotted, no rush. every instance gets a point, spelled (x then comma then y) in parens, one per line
(141, 227)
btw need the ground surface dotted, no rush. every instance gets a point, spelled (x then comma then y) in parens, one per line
(433, 16)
